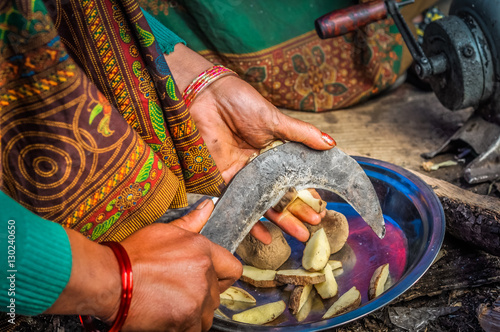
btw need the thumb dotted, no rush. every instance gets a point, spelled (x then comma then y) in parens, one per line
(299, 131)
(196, 219)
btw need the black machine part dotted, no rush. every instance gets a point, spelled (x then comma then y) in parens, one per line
(460, 59)
(467, 40)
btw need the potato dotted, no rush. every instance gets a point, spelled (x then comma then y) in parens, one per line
(338, 272)
(377, 282)
(328, 288)
(299, 277)
(236, 305)
(336, 228)
(350, 300)
(261, 314)
(258, 278)
(219, 314)
(306, 308)
(266, 257)
(317, 204)
(237, 294)
(299, 297)
(334, 264)
(316, 252)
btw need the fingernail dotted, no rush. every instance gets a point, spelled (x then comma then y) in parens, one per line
(328, 139)
(202, 204)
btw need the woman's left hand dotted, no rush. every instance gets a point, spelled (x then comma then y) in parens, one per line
(236, 121)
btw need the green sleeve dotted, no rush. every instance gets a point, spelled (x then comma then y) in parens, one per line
(35, 260)
(165, 38)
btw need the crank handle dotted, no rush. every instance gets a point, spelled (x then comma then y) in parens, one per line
(342, 21)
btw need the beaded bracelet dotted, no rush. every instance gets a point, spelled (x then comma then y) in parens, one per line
(204, 80)
(126, 294)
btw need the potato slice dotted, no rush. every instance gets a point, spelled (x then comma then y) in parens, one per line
(328, 288)
(350, 300)
(261, 314)
(316, 252)
(307, 307)
(338, 272)
(236, 305)
(378, 280)
(336, 228)
(259, 278)
(218, 313)
(237, 294)
(334, 264)
(265, 256)
(317, 204)
(299, 277)
(299, 297)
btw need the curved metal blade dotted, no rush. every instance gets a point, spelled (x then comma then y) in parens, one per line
(262, 183)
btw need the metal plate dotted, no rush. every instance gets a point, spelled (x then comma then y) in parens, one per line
(415, 231)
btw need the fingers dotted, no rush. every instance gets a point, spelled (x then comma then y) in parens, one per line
(260, 232)
(196, 219)
(227, 267)
(212, 302)
(304, 212)
(289, 224)
(299, 131)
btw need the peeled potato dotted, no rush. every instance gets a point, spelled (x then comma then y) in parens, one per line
(328, 288)
(262, 314)
(336, 228)
(237, 294)
(265, 256)
(350, 300)
(377, 282)
(316, 252)
(317, 204)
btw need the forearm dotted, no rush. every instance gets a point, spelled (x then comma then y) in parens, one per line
(94, 286)
(46, 268)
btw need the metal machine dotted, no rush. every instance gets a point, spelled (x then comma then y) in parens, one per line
(459, 58)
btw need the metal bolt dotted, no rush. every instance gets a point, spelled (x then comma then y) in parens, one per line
(418, 70)
(468, 51)
(424, 60)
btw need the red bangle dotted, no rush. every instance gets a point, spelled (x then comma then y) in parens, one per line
(204, 80)
(126, 294)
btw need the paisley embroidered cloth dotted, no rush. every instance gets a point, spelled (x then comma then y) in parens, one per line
(274, 47)
(94, 132)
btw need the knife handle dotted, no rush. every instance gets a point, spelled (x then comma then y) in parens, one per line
(342, 21)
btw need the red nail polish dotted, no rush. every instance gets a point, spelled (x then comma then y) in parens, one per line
(328, 139)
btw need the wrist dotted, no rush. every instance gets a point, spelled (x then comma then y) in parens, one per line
(185, 65)
(94, 287)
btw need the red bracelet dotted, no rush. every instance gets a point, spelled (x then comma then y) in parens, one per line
(204, 80)
(126, 295)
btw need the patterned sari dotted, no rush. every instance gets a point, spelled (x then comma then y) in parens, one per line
(94, 132)
(274, 47)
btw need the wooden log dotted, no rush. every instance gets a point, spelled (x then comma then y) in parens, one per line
(470, 217)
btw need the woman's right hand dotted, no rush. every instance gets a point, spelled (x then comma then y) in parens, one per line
(178, 276)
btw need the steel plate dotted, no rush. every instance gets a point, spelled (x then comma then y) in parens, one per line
(415, 232)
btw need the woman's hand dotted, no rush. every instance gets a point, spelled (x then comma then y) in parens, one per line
(177, 274)
(236, 121)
